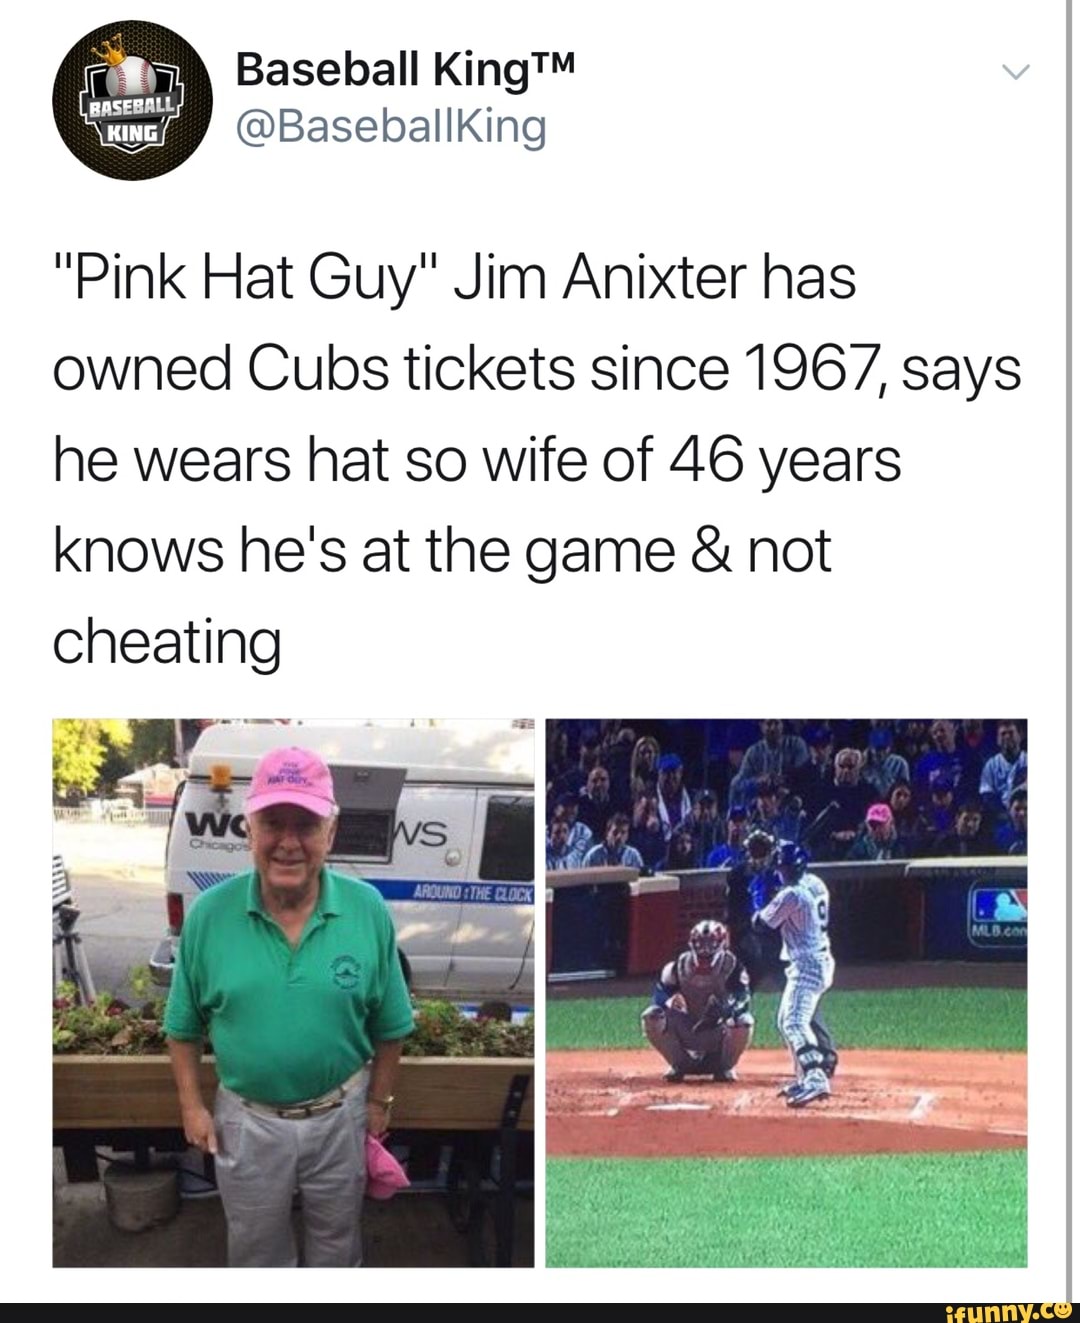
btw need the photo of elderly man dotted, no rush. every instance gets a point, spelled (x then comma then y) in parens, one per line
(292, 972)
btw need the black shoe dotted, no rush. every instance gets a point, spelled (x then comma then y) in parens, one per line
(725, 1077)
(674, 1076)
(829, 1063)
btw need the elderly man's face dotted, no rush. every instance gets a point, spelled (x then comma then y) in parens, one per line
(847, 768)
(598, 783)
(289, 846)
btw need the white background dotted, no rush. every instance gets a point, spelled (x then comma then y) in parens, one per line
(886, 137)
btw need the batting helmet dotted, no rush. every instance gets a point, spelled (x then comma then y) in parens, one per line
(791, 859)
(707, 940)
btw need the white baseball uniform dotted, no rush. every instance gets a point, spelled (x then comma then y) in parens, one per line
(801, 912)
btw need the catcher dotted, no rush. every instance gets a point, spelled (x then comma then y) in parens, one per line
(700, 1020)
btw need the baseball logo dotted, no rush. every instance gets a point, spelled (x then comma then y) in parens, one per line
(126, 75)
(132, 100)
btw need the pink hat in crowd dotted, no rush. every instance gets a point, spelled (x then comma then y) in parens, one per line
(292, 776)
(385, 1175)
(879, 813)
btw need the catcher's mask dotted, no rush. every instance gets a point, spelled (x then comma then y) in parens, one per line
(791, 860)
(760, 850)
(707, 939)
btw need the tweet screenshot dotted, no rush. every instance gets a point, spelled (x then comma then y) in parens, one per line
(635, 372)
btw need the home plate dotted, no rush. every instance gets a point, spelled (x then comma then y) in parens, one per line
(679, 1107)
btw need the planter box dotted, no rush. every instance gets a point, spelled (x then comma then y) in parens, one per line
(433, 1093)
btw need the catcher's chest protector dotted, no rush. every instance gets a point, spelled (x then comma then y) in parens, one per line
(698, 985)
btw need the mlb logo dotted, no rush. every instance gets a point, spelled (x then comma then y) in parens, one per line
(997, 916)
(999, 904)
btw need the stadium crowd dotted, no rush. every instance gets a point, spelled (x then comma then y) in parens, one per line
(686, 794)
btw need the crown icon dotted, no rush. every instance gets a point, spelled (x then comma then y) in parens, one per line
(113, 53)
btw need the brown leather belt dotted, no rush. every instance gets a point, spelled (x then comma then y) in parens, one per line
(325, 1102)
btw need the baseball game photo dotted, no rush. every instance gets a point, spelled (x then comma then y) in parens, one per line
(787, 992)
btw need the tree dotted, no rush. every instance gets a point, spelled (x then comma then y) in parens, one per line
(153, 741)
(81, 749)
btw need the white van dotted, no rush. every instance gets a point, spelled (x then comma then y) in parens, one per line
(440, 820)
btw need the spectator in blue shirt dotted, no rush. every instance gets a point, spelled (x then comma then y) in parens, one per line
(882, 768)
(775, 755)
(559, 854)
(941, 811)
(733, 851)
(1007, 770)
(581, 838)
(777, 812)
(942, 756)
(615, 851)
(1011, 835)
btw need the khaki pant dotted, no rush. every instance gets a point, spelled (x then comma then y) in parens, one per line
(263, 1160)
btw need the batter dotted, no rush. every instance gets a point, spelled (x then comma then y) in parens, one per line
(800, 910)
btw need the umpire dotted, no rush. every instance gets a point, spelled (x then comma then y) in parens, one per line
(293, 973)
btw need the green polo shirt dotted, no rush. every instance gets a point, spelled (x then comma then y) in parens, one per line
(288, 1024)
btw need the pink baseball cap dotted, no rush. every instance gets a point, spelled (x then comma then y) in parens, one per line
(385, 1175)
(292, 776)
(879, 813)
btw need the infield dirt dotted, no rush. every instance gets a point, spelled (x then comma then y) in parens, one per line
(614, 1104)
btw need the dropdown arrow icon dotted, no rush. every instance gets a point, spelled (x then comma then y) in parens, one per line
(1016, 75)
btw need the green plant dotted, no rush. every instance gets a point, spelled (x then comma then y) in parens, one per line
(442, 1031)
(108, 1026)
(111, 1027)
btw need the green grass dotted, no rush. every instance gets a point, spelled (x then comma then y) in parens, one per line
(942, 1210)
(987, 1019)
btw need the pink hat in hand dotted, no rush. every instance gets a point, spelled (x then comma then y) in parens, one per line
(292, 776)
(385, 1175)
